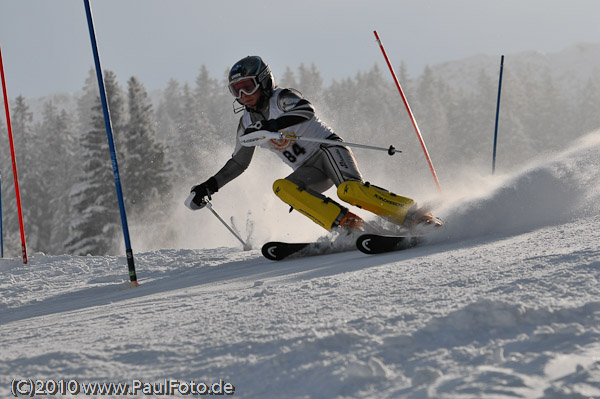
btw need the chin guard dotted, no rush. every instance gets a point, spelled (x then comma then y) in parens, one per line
(237, 109)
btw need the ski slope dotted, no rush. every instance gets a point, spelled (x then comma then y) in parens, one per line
(503, 303)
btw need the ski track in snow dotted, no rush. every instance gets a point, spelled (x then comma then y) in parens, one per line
(504, 302)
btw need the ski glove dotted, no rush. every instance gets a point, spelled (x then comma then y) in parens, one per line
(198, 192)
(269, 125)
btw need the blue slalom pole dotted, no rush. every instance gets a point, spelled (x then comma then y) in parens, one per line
(497, 113)
(111, 144)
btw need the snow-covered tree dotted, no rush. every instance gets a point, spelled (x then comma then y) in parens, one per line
(168, 111)
(310, 82)
(95, 224)
(213, 102)
(58, 129)
(87, 100)
(288, 79)
(145, 170)
(10, 226)
(32, 177)
(196, 135)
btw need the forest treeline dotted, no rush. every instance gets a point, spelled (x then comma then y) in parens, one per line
(66, 178)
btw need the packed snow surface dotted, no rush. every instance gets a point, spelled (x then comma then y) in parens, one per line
(504, 302)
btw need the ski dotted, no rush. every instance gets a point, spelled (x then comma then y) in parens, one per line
(277, 250)
(379, 243)
(368, 243)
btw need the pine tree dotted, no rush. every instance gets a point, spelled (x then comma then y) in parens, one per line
(205, 93)
(196, 136)
(58, 130)
(341, 97)
(32, 182)
(87, 100)
(310, 82)
(95, 225)
(404, 77)
(117, 105)
(213, 101)
(168, 112)
(288, 79)
(145, 169)
(429, 107)
(12, 245)
(472, 138)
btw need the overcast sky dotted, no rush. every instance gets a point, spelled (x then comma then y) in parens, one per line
(46, 45)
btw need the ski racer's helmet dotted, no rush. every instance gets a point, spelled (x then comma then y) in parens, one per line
(249, 75)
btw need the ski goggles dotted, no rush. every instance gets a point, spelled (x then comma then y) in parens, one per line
(247, 85)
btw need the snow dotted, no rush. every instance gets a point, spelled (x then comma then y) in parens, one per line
(504, 302)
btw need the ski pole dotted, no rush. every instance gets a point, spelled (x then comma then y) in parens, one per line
(262, 136)
(210, 207)
(391, 150)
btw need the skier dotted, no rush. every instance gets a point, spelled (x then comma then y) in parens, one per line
(316, 167)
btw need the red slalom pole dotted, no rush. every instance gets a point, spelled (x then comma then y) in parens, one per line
(14, 160)
(412, 118)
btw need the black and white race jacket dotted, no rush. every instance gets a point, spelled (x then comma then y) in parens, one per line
(290, 113)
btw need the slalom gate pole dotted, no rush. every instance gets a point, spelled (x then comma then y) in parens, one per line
(1, 230)
(111, 145)
(410, 113)
(497, 114)
(14, 162)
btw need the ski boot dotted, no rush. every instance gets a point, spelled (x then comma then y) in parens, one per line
(352, 223)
